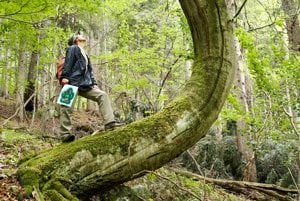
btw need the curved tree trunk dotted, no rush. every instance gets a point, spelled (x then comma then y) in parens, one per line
(97, 162)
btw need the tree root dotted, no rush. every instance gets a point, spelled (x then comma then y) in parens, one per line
(55, 191)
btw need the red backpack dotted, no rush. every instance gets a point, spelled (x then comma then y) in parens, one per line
(59, 67)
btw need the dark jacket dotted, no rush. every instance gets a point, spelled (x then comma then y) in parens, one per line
(76, 70)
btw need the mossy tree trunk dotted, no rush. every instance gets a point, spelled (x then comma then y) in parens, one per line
(73, 170)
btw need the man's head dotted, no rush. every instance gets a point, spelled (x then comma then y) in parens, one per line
(80, 40)
(71, 40)
(76, 39)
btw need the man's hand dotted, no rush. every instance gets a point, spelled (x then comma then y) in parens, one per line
(64, 81)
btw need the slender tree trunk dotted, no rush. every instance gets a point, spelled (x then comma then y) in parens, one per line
(20, 82)
(243, 85)
(291, 10)
(4, 77)
(43, 76)
(98, 162)
(90, 105)
(31, 78)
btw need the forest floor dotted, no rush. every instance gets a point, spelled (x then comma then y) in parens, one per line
(18, 140)
(9, 186)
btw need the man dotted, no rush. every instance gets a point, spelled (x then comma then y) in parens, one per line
(78, 72)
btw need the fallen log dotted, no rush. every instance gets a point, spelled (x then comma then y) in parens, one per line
(253, 190)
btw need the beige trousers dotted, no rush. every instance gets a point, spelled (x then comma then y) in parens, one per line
(94, 94)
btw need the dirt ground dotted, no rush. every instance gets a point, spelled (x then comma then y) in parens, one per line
(43, 131)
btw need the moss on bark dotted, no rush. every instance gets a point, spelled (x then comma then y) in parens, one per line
(29, 177)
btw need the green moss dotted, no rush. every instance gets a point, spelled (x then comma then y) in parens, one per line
(11, 136)
(106, 143)
(53, 195)
(29, 178)
(60, 161)
(39, 196)
(26, 158)
(49, 160)
(56, 190)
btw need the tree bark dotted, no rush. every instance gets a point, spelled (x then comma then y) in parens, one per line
(4, 76)
(76, 169)
(290, 8)
(244, 86)
(31, 77)
(20, 81)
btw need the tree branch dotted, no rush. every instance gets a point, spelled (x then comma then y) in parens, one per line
(16, 12)
(196, 163)
(18, 109)
(293, 178)
(262, 27)
(12, 19)
(180, 187)
(25, 13)
(166, 77)
(292, 122)
(240, 9)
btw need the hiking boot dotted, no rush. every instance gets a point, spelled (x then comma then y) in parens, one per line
(112, 126)
(68, 138)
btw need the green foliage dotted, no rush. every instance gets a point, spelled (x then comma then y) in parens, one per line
(234, 109)
(136, 45)
(258, 65)
(151, 176)
(217, 158)
(274, 72)
(148, 48)
(139, 40)
(13, 137)
(170, 186)
(272, 163)
(20, 140)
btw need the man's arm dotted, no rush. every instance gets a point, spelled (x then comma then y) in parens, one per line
(69, 63)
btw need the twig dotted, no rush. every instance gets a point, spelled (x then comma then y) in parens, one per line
(163, 82)
(5, 122)
(294, 180)
(16, 20)
(181, 188)
(23, 106)
(196, 163)
(292, 122)
(240, 9)
(262, 27)
(199, 169)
